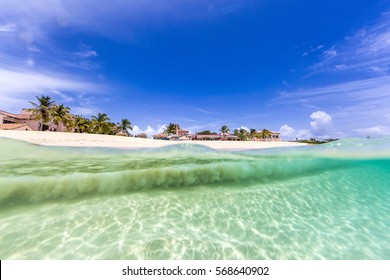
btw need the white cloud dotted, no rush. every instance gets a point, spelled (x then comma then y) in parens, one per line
(340, 66)
(86, 54)
(18, 87)
(149, 131)
(9, 27)
(245, 128)
(108, 18)
(366, 102)
(13, 82)
(321, 125)
(202, 110)
(289, 133)
(321, 121)
(377, 69)
(84, 111)
(378, 130)
(30, 62)
(331, 52)
(366, 50)
(313, 49)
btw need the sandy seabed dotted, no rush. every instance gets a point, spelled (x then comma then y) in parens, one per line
(109, 141)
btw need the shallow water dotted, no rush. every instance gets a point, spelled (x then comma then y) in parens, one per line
(189, 202)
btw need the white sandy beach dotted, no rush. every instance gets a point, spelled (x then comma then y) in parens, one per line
(97, 140)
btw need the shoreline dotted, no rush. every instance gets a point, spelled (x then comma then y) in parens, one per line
(67, 139)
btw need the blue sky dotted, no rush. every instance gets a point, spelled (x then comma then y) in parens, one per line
(304, 68)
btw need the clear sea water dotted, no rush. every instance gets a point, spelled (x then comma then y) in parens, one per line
(189, 202)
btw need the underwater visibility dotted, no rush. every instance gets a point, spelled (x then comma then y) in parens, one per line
(329, 201)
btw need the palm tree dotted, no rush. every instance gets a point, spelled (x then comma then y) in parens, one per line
(81, 124)
(241, 133)
(252, 133)
(125, 126)
(224, 130)
(171, 128)
(265, 133)
(42, 110)
(60, 114)
(101, 124)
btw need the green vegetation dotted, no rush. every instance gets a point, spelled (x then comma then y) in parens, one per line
(252, 133)
(224, 130)
(171, 128)
(46, 110)
(315, 141)
(124, 126)
(207, 132)
(101, 125)
(81, 124)
(242, 134)
(60, 114)
(264, 134)
(42, 110)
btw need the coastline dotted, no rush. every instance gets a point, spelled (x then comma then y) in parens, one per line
(109, 141)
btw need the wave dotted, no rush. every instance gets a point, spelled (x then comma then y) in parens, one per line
(36, 174)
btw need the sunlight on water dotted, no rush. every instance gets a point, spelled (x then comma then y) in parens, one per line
(189, 202)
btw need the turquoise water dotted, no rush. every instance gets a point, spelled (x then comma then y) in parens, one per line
(189, 202)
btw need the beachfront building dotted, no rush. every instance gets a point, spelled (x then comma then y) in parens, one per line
(26, 119)
(214, 137)
(180, 134)
(274, 136)
(206, 137)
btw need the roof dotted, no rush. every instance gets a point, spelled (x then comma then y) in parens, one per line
(208, 136)
(120, 133)
(23, 116)
(12, 126)
(160, 135)
(15, 116)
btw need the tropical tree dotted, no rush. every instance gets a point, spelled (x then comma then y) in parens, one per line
(252, 133)
(171, 128)
(242, 134)
(60, 114)
(42, 110)
(125, 126)
(224, 130)
(100, 124)
(206, 132)
(265, 133)
(81, 124)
